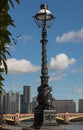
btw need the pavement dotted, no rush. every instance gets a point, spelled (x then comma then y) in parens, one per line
(52, 128)
(46, 128)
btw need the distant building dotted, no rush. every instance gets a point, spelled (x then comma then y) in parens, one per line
(12, 102)
(65, 105)
(80, 105)
(2, 101)
(34, 103)
(25, 100)
(22, 103)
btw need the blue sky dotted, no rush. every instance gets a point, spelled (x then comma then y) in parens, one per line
(64, 49)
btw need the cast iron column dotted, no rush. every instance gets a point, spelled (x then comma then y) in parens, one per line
(43, 19)
(44, 90)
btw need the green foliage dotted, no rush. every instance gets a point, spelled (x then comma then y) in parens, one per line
(5, 34)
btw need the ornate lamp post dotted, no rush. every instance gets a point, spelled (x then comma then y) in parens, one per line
(45, 111)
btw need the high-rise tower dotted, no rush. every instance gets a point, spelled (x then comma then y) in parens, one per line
(25, 100)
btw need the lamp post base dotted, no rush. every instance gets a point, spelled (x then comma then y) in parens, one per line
(44, 117)
(38, 117)
(49, 117)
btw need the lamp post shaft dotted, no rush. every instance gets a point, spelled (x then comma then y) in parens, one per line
(44, 69)
(44, 90)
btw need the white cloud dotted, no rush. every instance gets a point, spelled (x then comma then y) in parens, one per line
(61, 62)
(57, 76)
(77, 70)
(77, 90)
(81, 69)
(72, 36)
(81, 57)
(21, 66)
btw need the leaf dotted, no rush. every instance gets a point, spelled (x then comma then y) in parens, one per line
(1, 84)
(5, 66)
(5, 34)
(5, 22)
(8, 53)
(1, 70)
(18, 1)
(1, 78)
(11, 3)
(3, 54)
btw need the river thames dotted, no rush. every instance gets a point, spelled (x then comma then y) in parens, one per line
(71, 126)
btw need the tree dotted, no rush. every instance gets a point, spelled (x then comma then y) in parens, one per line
(5, 35)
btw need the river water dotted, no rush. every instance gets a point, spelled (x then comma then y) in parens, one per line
(71, 126)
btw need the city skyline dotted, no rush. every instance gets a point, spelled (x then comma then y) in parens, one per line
(64, 49)
(25, 96)
(12, 102)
